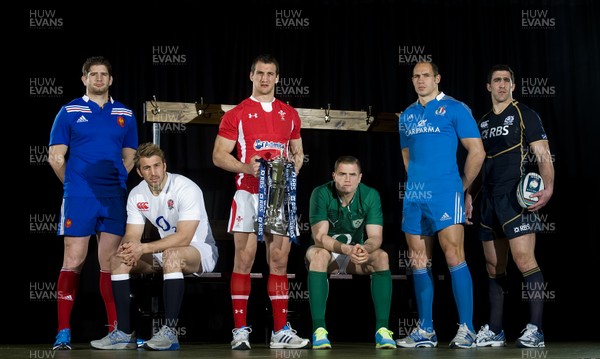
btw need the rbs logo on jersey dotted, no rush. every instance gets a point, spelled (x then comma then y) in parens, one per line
(494, 132)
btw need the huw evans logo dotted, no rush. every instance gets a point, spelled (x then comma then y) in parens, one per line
(172, 127)
(291, 87)
(291, 19)
(537, 87)
(537, 19)
(45, 20)
(44, 87)
(44, 292)
(294, 290)
(168, 55)
(537, 292)
(38, 155)
(414, 191)
(406, 325)
(411, 54)
(43, 223)
(540, 222)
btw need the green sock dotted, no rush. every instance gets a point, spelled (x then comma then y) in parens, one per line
(381, 292)
(318, 290)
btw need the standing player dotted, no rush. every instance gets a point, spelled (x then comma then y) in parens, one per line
(347, 229)
(507, 130)
(100, 135)
(430, 130)
(173, 204)
(260, 127)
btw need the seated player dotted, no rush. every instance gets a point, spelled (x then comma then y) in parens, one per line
(347, 229)
(175, 206)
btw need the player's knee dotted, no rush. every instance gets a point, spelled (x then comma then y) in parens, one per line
(319, 256)
(380, 260)
(172, 259)
(318, 260)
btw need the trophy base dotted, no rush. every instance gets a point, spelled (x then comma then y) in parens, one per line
(279, 228)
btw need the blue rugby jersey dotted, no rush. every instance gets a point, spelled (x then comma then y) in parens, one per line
(95, 137)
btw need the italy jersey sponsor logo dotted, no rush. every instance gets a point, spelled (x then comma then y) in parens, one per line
(422, 127)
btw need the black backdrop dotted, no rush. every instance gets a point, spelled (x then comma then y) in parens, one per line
(353, 55)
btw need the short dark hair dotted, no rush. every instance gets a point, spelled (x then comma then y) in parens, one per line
(350, 160)
(434, 66)
(265, 59)
(147, 150)
(96, 60)
(500, 67)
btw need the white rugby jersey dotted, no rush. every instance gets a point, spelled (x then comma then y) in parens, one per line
(181, 199)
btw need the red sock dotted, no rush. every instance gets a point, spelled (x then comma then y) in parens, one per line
(109, 299)
(277, 287)
(240, 291)
(68, 283)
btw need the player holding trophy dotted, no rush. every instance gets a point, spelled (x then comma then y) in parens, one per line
(265, 132)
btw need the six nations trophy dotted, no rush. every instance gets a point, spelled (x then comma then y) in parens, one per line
(277, 198)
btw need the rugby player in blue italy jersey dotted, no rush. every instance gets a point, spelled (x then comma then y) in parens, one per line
(430, 130)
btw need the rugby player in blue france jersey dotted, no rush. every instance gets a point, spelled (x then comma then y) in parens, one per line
(92, 143)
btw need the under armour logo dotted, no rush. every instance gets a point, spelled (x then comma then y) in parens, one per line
(238, 311)
(255, 115)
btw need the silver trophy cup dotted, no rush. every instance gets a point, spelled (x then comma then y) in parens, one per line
(276, 218)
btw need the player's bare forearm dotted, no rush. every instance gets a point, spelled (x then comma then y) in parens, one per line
(323, 240)
(545, 162)
(56, 159)
(474, 160)
(222, 157)
(332, 244)
(374, 237)
(297, 154)
(372, 244)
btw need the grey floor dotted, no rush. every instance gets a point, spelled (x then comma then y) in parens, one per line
(563, 350)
